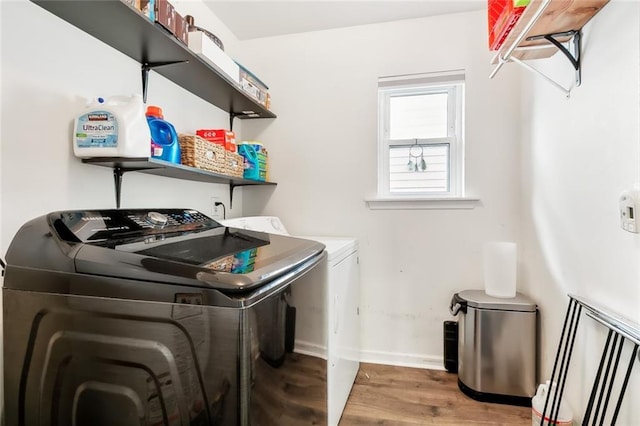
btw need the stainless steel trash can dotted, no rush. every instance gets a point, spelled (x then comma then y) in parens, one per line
(497, 347)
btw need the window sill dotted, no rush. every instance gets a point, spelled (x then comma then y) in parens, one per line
(421, 203)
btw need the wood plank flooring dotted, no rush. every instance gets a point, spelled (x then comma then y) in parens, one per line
(389, 395)
(294, 394)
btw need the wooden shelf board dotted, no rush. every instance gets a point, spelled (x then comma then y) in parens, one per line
(559, 16)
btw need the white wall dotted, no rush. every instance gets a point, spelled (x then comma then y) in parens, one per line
(323, 155)
(578, 155)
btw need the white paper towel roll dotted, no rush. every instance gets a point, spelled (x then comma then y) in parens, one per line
(500, 266)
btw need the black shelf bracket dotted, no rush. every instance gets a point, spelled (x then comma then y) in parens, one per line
(148, 66)
(232, 116)
(118, 172)
(117, 179)
(247, 114)
(573, 57)
(232, 186)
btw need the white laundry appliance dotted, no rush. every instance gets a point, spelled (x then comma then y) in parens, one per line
(330, 325)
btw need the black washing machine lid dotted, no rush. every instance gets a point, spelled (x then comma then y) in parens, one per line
(177, 246)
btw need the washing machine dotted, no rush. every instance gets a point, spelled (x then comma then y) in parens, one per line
(156, 317)
(330, 326)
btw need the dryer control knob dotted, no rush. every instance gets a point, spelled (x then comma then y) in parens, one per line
(156, 218)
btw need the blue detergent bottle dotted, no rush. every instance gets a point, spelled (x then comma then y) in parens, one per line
(164, 138)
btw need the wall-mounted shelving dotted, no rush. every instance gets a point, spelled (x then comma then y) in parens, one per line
(125, 29)
(122, 27)
(152, 166)
(543, 29)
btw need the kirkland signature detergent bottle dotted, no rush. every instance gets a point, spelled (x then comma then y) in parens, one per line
(112, 127)
(164, 139)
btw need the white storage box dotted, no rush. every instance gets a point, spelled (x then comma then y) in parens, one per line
(204, 47)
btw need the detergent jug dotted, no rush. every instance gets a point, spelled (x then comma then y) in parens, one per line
(164, 139)
(112, 127)
(565, 415)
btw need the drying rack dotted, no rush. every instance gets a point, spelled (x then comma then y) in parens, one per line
(621, 332)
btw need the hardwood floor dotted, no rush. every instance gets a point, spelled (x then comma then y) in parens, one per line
(388, 395)
(294, 394)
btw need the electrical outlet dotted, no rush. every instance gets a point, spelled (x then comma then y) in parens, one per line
(216, 210)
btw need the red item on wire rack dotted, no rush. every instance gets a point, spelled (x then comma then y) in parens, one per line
(503, 16)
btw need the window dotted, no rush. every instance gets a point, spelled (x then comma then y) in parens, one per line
(420, 136)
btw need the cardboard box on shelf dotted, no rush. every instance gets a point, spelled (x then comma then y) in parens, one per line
(254, 86)
(206, 49)
(253, 90)
(222, 137)
(181, 29)
(165, 14)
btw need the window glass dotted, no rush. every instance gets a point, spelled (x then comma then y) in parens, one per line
(419, 168)
(418, 116)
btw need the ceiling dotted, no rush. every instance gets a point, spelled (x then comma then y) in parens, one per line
(265, 18)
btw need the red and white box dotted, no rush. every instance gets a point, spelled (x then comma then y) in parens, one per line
(222, 137)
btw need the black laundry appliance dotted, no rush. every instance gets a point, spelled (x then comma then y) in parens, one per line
(140, 317)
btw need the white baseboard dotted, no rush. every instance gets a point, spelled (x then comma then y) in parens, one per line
(403, 360)
(378, 357)
(312, 349)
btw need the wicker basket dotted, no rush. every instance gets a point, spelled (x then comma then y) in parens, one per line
(200, 153)
(234, 164)
(224, 264)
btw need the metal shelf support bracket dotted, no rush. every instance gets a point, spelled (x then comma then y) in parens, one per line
(148, 66)
(232, 116)
(573, 56)
(576, 45)
(567, 92)
(244, 114)
(232, 186)
(118, 173)
(117, 178)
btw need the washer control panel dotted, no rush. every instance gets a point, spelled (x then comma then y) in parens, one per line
(100, 225)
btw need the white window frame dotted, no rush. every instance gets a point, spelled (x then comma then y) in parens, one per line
(451, 83)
